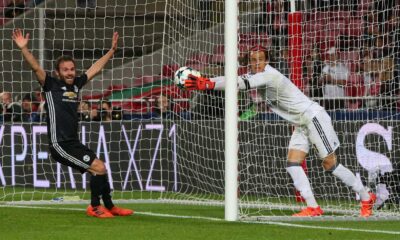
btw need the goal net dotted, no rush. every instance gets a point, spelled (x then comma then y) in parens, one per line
(178, 155)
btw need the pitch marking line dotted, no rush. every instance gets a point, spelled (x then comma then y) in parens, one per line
(220, 220)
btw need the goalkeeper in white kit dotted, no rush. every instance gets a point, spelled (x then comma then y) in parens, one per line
(313, 126)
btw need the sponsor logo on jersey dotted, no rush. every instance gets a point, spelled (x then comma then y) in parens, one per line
(70, 95)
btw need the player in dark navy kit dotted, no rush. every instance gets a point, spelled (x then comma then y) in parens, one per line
(62, 101)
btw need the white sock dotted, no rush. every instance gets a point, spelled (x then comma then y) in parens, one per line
(351, 180)
(302, 184)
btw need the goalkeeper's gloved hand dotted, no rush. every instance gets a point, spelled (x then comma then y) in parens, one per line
(199, 83)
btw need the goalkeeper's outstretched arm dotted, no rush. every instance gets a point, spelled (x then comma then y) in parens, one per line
(218, 83)
(22, 42)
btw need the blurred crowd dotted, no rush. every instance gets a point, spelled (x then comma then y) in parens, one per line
(351, 60)
(31, 109)
(351, 57)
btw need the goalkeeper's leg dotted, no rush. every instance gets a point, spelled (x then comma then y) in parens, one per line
(302, 184)
(323, 136)
(348, 178)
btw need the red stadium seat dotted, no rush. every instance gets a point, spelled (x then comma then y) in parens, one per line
(322, 16)
(198, 61)
(354, 27)
(198, 58)
(354, 88)
(355, 85)
(339, 15)
(218, 59)
(349, 56)
(219, 49)
(314, 26)
(139, 81)
(253, 38)
(197, 66)
(242, 70)
(2, 21)
(243, 48)
(353, 66)
(364, 5)
(168, 70)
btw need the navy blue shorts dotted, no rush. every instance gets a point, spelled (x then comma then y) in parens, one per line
(73, 154)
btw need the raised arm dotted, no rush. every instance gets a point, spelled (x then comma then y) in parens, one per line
(99, 64)
(22, 43)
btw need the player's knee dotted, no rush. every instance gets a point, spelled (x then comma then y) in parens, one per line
(98, 167)
(296, 156)
(329, 162)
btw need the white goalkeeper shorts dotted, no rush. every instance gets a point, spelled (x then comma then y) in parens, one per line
(318, 133)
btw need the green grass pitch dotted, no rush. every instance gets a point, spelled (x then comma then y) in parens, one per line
(171, 221)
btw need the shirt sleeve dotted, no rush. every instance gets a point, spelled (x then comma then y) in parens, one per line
(48, 83)
(81, 81)
(259, 79)
(220, 82)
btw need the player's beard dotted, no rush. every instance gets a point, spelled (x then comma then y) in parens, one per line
(67, 79)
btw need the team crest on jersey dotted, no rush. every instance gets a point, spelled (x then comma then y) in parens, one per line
(76, 89)
(64, 88)
(86, 158)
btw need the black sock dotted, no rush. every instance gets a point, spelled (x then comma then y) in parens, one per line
(95, 187)
(106, 193)
(101, 188)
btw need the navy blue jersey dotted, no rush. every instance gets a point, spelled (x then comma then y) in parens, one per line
(62, 102)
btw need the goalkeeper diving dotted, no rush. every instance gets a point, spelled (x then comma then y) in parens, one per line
(313, 126)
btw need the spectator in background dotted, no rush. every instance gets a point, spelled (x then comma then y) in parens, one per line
(333, 78)
(86, 112)
(277, 23)
(162, 109)
(385, 67)
(30, 109)
(278, 19)
(282, 61)
(11, 110)
(105, 111)
(393, 29)
(371, 78)
(313, 71)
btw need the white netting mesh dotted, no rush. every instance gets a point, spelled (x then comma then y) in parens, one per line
(182, 158)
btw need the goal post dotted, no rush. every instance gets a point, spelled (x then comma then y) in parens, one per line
(231, 111)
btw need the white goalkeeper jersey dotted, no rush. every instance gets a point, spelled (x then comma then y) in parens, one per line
(282, 96)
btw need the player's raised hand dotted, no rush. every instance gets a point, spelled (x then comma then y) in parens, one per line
(115, 41)
(19, 38)
(199, 83)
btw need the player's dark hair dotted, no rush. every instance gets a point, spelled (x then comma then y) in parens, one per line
(62, 59)
(105, 101)
(256, 48)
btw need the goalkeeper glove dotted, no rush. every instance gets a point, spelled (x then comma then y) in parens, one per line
(199, 83)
